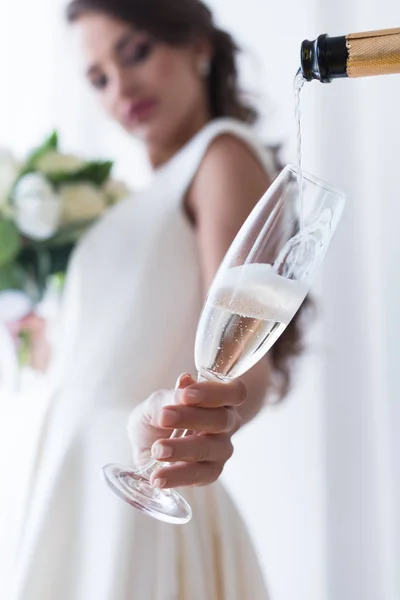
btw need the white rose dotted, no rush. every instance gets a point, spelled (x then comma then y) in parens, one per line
(115, 191)
(37, 207)
(8, 174)
(81, 202)
(54, 162)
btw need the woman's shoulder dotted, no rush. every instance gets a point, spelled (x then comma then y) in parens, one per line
(229, 140)
(222, 147)
(233, 155)
(228, 126)
(222, 139)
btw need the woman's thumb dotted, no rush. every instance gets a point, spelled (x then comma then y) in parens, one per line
(184, 381)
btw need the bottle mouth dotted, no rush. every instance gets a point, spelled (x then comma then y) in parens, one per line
(324, 59)
(313, 59)
(307, 59)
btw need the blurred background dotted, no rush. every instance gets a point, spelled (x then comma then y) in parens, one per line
(317, 478)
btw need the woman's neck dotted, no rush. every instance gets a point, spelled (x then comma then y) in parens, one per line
(159, 154)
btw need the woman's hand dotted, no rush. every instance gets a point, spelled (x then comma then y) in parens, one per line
(209, 410)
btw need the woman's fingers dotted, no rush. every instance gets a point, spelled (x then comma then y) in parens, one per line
(186, 475)
(207, 420)
(208, 408)
(154, 404)
(183, 381)
(213, 394)
(194, 448)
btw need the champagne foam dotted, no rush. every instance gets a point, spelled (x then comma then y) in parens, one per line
(257, 292)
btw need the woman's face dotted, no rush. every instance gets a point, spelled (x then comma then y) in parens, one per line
(152, 89)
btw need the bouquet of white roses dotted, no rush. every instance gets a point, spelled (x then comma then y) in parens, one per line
(46, 204)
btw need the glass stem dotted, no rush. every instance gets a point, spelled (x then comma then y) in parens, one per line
(147, 471)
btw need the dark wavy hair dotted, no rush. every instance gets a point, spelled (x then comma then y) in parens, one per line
(179, 22)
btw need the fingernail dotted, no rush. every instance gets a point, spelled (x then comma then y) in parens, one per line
(160, 451)
(181, 379)
(168, 418)
(193, 396)
(159, 483)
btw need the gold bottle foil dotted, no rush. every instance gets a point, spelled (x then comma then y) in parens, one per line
(373, 53)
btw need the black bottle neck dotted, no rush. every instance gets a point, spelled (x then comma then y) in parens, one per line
(324, 59)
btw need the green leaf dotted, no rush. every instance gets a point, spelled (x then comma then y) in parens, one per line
(12, 277)
(50, 144)
(36, 261)
(60, 256)
(40, 263)
(96, 173)
(10, 241)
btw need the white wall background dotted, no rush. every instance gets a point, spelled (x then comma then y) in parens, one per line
(318, 478)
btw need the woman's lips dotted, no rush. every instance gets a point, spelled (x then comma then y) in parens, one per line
(140, 110)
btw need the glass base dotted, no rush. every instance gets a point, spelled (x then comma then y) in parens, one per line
(164, 505)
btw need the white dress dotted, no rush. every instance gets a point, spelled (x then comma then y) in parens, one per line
(132, 303)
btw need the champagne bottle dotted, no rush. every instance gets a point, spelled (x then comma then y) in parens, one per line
(354, 55)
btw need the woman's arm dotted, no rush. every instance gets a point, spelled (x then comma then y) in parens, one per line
(229, 183)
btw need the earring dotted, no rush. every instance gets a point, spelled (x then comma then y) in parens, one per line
(204, 67)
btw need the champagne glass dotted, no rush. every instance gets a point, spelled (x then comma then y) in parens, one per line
(260, 285)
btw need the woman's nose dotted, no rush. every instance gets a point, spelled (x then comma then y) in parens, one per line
(125, 85)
